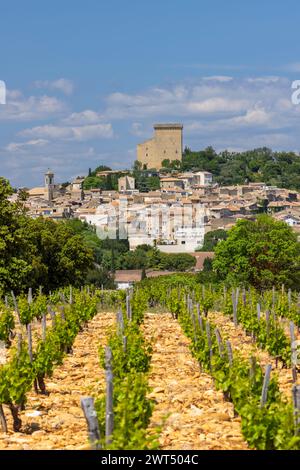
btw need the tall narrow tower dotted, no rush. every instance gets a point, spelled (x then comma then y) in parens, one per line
(165, 145)
(49, 185)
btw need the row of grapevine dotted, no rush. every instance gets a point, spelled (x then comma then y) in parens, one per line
(123, 409)
(268, 420)
(264, 316)
(31, 361)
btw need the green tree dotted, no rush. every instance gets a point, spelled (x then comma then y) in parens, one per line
(137, 166)
(177, 261)
(59, 256)
(211, 239)
(15, 264)
(100, 277)
(165, 163)
(261, 253)
(207, 275)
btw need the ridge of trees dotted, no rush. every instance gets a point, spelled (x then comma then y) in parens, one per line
(274, 168)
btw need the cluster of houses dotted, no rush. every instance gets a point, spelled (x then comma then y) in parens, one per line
(175, 218)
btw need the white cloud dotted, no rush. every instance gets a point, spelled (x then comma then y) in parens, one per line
(260, 80)
(87, 116)
(17, 146)
(76, 133)
(252, 102)
(216, 105)
(20, 108)
(62, 84)
(218, 78)
(180, 101)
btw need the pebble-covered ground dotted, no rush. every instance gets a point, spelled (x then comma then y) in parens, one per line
(56, 421)
(193, 415)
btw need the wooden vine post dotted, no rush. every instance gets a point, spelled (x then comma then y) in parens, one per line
(264, 393)
(294, 351)
(109, 415)
(200, 320)
(220, 343)
(296, 403)
(44, 326)
(29, 339)
(229, 353)
(289, 298)
(88, 407)
(258, 311)
(209, 342)
(128, 307)
(17, 311)
(3, 420)
(29, 297)
(52, 315)
(120, 322)
(234, 306)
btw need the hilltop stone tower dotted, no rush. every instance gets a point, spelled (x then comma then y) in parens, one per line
(49, 185)
(166, 144)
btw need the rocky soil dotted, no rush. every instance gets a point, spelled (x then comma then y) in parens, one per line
(56, 421)
(193, 415)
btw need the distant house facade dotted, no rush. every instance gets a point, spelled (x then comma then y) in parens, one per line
(202, 178)
(126, 183)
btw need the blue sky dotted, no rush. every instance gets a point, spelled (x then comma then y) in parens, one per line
(87, 80)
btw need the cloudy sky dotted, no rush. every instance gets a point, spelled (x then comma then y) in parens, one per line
(87, 80)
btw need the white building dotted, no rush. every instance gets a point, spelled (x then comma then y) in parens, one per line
(202, 178)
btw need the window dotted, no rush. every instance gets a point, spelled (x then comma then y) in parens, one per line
(183, 243)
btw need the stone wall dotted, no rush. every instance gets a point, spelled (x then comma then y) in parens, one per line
(166, 144)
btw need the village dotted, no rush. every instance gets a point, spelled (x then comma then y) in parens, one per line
(174, 218)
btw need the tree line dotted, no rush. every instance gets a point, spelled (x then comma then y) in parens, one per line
(280, 169)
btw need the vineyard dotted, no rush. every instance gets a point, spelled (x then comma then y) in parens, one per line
(170, 364)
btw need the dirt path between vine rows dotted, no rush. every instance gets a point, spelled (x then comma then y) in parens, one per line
(193, 415)
(56, 421)
(245, 346)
